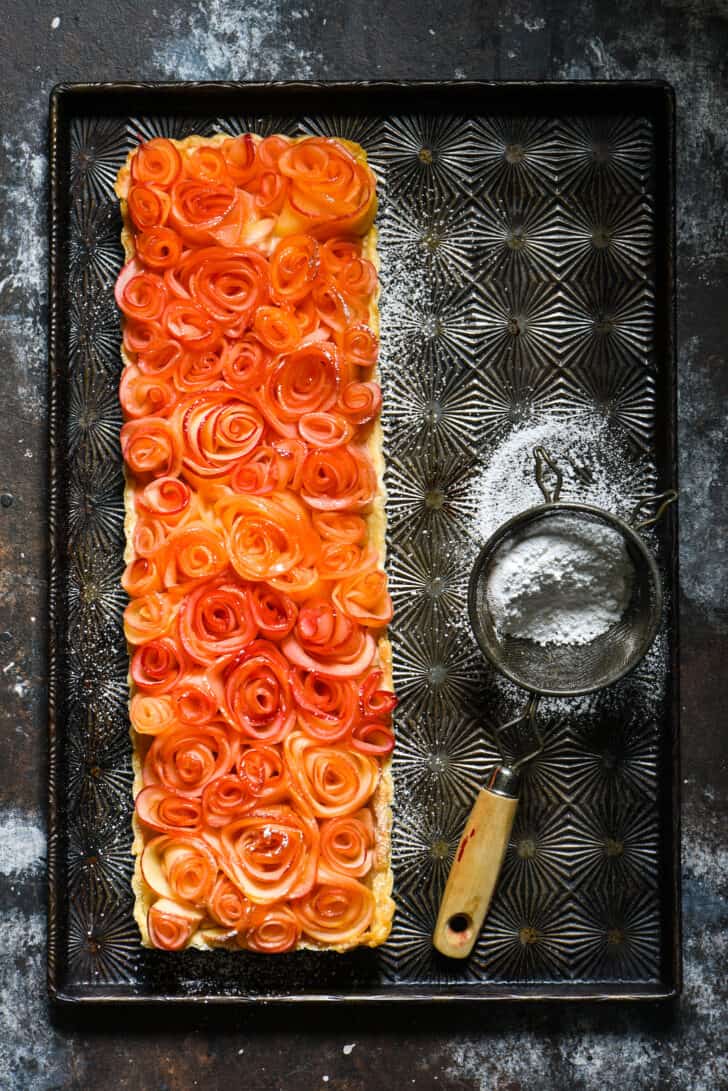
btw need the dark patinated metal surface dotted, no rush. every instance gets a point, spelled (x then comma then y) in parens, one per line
(587, 906)
(678, 1045)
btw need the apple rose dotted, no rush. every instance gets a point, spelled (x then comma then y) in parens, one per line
(271, 854)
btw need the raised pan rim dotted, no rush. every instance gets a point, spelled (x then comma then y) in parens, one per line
(660, 95)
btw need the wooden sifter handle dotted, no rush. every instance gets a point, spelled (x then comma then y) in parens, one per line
(475, 870)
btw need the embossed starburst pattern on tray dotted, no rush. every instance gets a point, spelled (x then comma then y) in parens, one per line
(517, 284)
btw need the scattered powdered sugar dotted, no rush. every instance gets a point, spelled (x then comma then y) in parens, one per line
(597, 467)
(642, 691)
(401, 303)
(563, 582)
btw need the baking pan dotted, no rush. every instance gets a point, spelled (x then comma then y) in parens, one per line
(527, 244)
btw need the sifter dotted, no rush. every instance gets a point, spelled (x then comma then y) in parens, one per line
(566, 670)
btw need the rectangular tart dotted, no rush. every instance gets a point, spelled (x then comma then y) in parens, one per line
(260, 671)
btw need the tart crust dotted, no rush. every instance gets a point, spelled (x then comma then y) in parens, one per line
(380, 878)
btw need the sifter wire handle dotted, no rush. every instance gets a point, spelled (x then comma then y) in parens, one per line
(645, 502)
(545, 462)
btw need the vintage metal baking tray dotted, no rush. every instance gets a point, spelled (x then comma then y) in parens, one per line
(526, 236)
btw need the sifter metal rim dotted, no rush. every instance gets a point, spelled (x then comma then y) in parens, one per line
(526, 517)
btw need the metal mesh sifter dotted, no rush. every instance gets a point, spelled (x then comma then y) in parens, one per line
(568, 670)
(563, 670)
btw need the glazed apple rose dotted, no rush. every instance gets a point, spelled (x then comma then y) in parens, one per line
(196, 700)
(159, 248)
(304, 381)
(344, 551)
(258, 694)
(157, 666)
(363, 597)
(151, 715)
(157, 162)
(264, 771)
(219, 430)
(337, 911)
(144, 395)
(194, 552)
(373, 733)
(347, 844)
(216, 621)
(227, 905)
(320, 429)
(361, 402)
(229, 284)
(185, 759)
(141, 295)
(181, 867)
(331, 193)
(209, 212)
(244, 362)
(329, 780)
(167, 811)
(171, 925)
(326, 640)
(141, 576)
(326, 706)
(294, 268)
(148, 617)
(225, 799)
(261, 717)
(278, 328)
(271, 853)
(272, 930)
(359, 346)
(338, 478)
(148, 206)
(273, 612)
(151, 448)
(267, 536)
(166, 500)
